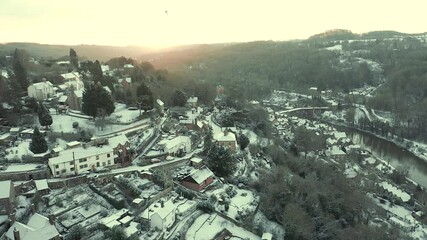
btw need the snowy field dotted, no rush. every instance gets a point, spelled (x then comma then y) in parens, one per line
(243, 200)
(207, 226)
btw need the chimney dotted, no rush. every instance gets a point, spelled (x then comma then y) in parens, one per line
(33, 208)
(84, 145)
(12, 218)
(16, 234)
(52, 219)
(225, 132)
(162, 204)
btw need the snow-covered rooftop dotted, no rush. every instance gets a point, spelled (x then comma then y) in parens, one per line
(192, 100)
(201, 175)
(41, 184)
(120, 139)
(37, 228)
(399, 193)
(79, 153)
(5, 189)
(175, 141)
(160, 102)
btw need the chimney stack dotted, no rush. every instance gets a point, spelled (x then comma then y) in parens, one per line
(12, 218)
(16, 234)
(52, 219)
(162, 204)
(33, 208)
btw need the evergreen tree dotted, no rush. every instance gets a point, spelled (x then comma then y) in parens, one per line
(45, 119)
(178, 99)
(76, 232)
(220, 161)
(38, 143)
(95, 100)
(144, 97)
(243, 141)
(19, 71)
(207, 142)
(74, 59)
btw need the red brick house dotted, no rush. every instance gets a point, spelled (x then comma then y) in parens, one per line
(121, 148)
(198, 179)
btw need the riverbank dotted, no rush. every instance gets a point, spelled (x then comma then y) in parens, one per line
(415, 148)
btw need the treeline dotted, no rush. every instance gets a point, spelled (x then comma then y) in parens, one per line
(313, 200)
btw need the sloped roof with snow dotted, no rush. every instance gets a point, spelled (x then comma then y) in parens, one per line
(120, 139)
(42, 85)
(164, 211)
(201, 175)
(41, 184)
(5, 188)
(79, 153)
(160, 102)
(192, 100)
(37, 228)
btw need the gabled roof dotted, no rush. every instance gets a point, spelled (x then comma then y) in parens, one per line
(120, 139)
(37, 228)
(201, 175)
(164, 211)
(79, 153)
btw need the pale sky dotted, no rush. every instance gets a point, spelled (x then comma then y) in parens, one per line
(175, 22)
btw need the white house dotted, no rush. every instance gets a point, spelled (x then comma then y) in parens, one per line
(38, 227)
(175, 145)
(73, 79)
(192, 101)
(161, 215)
(80, 160)
(41, 90)
(225, 138)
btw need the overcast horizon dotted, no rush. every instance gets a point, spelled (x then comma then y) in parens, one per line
(171, 23)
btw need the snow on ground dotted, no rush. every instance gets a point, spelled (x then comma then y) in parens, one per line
(23, 148)
(397, 192)
(123, 115)
(244, 200)
(269, 226)
(335, 48)
(207, 226)
(358, 114)
(64, 123)
(22, 167)
(404, 219)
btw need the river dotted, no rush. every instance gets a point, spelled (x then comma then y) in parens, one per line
(396, 156)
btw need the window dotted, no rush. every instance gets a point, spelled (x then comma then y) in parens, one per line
(57, 173)
(83, 166)
(72, 163)
(97, 157)
(82, 160)
(56, 166)
(103, 164)
(108, 155)
(97, 164)
(72, 169)
(63, 171)
(109, 162)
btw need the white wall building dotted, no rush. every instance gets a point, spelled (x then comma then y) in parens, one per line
(41, 90)
(73, 79)
(161, 216)
(81, 160)
(176, 144)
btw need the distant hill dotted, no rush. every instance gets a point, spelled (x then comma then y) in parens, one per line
(335, 34)
(90, 52)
